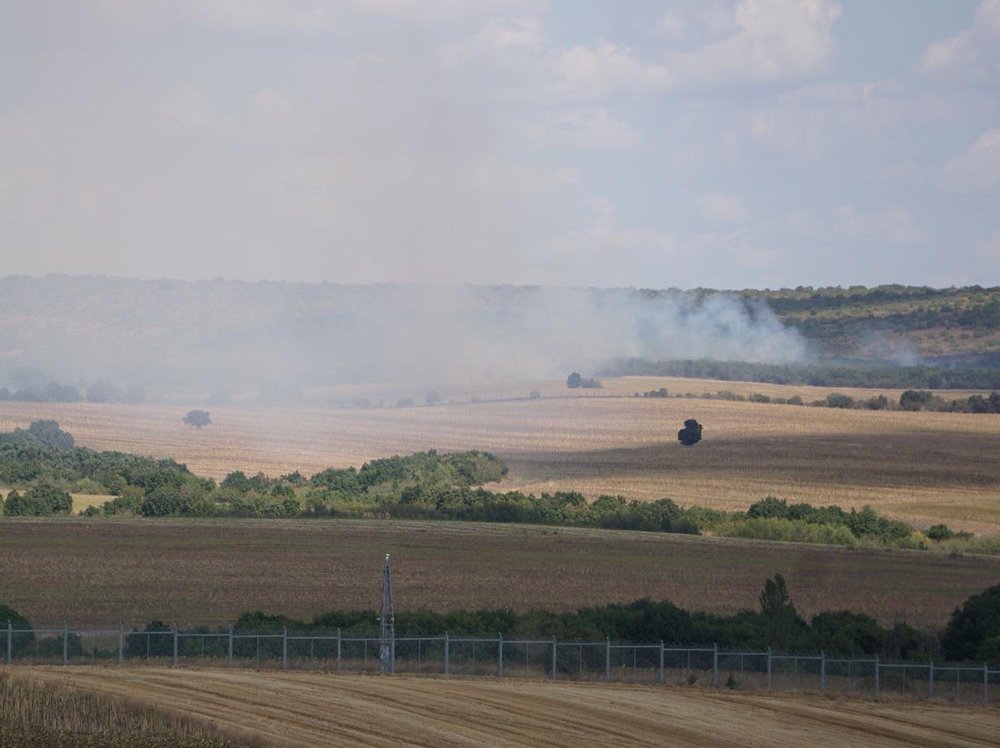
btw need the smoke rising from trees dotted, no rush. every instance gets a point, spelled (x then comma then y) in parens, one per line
(222, 334)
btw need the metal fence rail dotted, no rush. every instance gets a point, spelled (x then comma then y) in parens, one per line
(627, 662)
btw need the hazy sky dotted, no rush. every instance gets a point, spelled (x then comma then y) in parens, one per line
(747, 143)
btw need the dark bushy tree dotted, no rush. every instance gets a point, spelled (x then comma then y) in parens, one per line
(915, 399)
(20, 642)
(782, 624)
(839, 400)
(39, 501)
(973, 633)
(197, 418)
(690, 434)
(574, 380)
(48, 434)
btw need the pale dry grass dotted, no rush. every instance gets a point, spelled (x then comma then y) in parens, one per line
(304, 709)
(899, 462)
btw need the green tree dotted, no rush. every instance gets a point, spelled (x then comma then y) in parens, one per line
(39, 501)
(915, 399)
(973, 631)
(574, 380)
(781, 622)
(22, 641)
(197, 418)
(690, 434)
(49, 434)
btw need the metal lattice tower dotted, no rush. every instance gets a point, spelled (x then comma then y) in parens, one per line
(387, 624)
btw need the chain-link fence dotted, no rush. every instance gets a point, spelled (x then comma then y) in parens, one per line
(619, 662)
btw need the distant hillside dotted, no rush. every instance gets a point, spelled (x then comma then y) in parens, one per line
(273, 338)
(904, 324)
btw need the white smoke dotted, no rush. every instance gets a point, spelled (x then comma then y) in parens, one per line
(233, 334)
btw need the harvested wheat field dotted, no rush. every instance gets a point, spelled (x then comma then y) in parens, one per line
(98, 572)
(920, 467)
(297, 709)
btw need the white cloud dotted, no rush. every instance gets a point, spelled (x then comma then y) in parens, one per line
(972, 53)
(496, 175)
(585, 130)
(623, 255)
(775, 39)
(721, 207)
(189, 108)
(496, 36)
(979, 166)
(265, 15)
(672, 25)
(594, 72)
(894, 225)
(812, 119)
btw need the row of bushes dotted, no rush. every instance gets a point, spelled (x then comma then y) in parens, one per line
(911, 400)
(819, 375)
(970, 635)
(426, 485)
(101, 391)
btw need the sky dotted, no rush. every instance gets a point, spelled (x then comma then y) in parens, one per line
(710, 143)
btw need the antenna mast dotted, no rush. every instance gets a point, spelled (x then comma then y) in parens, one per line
(387, 625)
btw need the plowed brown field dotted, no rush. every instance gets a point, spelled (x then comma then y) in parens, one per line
(297, 709)
(98, 572)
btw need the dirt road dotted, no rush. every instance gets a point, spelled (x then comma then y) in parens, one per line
(299, 709)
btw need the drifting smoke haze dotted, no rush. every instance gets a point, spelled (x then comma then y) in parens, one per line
(235, 335)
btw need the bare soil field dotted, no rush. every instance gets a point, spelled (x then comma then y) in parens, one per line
(99, 572)
(298, 709)
(920, 467)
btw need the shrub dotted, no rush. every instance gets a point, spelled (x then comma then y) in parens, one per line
(940, 532)
(39, 501)
(973, 628)
(690, 434)
(839, 400)
(197, 418)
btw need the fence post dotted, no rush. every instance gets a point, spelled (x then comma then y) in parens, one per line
(930, 683)
(715, 666)
(65, 643)
(769, 669)
(500, 655)
(663, 676)
(339, 661)
(447, 654)
(10, 642)
(176, 636)
(554, 657)
(876, 676)
(284, 648)
(822, 672)
(229, 654)
(121, 643)
(986, 684)
(607, 658)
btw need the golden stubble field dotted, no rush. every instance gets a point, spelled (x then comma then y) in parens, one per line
(921, 467)
(309, 709)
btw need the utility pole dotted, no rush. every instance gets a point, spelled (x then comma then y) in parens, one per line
(387, 625)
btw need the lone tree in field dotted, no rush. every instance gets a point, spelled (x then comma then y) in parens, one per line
(574, 380)
(197, 418)
(690, 434)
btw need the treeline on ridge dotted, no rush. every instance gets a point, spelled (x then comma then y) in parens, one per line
(819, 375)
